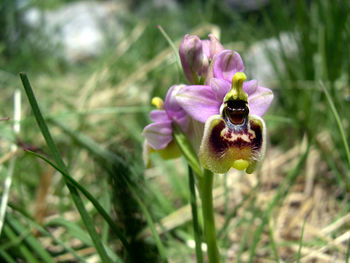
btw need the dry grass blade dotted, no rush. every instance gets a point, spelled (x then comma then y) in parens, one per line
(12, 154)
(8, 156)
(183, 214)
(141, 72)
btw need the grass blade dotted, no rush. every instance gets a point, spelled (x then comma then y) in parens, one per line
(171, 43)
(109, 159)
(6, 256)
(273, 243)
(301, 242)
(87, 194)
(57, 158)
(14, 148)
(339, 123)
(47, 233)
(196, 228)
(30, 240)
(287, 183)
(347, 252)
(11, 235)
(150, 224)
(234, 212)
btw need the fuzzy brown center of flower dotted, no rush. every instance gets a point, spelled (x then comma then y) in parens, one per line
(237, 111)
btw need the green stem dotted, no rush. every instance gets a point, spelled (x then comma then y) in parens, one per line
(206, 187)
(338, 121)
(196, 230)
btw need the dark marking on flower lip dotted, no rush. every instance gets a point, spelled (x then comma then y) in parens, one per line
(236, 114)
(257, 141)
(219, 144)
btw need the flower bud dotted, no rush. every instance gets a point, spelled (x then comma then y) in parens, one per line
(211, 47)
(193, 60)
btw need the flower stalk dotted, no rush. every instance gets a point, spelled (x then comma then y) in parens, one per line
(206, 187)
(196, 228)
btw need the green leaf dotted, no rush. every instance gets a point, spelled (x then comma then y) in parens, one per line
(45, 232)
(23, 249)
(32, 242)
(88, 222)
(87, 194)
(76, 231)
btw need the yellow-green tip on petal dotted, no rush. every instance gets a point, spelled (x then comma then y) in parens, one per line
(240, 164)
(237, 92)
(169, 152)
(158, 103)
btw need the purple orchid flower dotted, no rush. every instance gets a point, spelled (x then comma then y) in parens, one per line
(196, 56)
(159, 133)
(203, 101)
(234, 134)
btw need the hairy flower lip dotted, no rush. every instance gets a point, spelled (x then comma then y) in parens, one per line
(240, 146)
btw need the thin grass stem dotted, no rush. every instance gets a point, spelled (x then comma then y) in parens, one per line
(339, 123)
(172, 45)
(301, 242)
(347, 257)
(196, 229)
(272, 243)
(14, 149)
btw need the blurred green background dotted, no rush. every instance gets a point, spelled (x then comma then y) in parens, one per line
(94, 67)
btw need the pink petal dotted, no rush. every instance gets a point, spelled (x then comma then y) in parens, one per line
(199, 102)
(212, 46)
(250, 86)
(158, 134)
(173, 109)
(260, 101)
(226, 64)
(215, 46)
(220, 88)
(171, 104)
(159, 116)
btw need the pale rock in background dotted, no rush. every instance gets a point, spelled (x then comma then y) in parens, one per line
(81, 28)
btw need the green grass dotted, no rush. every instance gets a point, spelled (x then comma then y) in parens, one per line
(87, 138)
